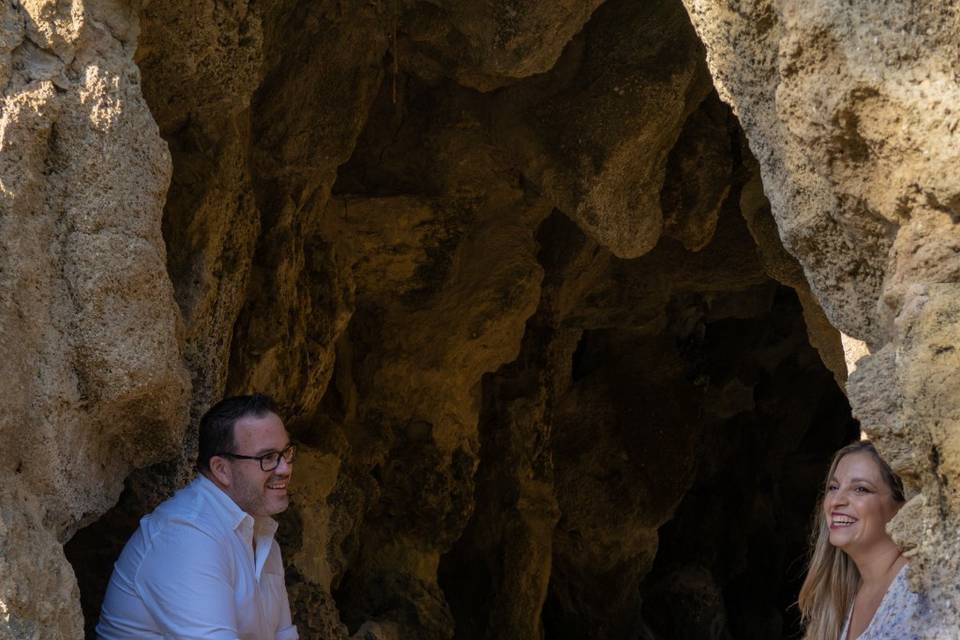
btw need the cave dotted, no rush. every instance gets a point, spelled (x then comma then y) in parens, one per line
(567, 304)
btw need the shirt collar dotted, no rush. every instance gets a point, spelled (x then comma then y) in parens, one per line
(227, 511)
(264, 527)
(254, 531)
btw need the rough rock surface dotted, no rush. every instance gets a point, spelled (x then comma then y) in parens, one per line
(88, 328)
(850, 112)
(538, 316)
(485, 45)
(607, 117)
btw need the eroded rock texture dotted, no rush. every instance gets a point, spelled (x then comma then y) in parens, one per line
(850, 112)
(562, 354)
(88, 328)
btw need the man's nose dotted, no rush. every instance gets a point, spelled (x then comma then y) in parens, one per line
(283, 467)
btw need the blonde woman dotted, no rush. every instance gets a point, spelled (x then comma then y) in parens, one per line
(856, 586)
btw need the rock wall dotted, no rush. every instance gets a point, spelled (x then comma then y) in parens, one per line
(849, 110)
(528, 292)
(89, 331)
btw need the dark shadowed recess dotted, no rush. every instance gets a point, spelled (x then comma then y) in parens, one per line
(648, 483)
(731, 560)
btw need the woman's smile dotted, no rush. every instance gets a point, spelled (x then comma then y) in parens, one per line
(841, 520)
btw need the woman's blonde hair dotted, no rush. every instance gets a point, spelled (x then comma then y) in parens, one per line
(832, 577)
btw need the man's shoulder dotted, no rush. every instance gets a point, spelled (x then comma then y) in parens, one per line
(179, 536)
(189, 508)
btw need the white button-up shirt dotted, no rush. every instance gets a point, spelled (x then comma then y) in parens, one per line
(190, 571)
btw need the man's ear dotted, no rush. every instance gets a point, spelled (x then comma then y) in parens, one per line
(220, 471)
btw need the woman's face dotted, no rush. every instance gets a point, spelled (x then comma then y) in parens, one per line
(858, 504)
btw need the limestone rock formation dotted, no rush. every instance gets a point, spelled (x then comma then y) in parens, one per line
(485, 45)
(88, 328)
(608, 116)
(849, 109)
(538, 301)
(915, 427)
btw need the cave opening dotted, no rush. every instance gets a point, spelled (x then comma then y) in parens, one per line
(553, 377)
(648, 481)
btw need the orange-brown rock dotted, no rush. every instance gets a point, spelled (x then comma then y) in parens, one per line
(537, 298)
(88, 328)
(849, 111)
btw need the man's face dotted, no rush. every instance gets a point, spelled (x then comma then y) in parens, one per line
(258, 492)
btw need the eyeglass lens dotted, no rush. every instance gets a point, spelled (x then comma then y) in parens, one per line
(271, 461)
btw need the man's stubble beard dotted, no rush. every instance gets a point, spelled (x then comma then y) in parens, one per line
(253, 496)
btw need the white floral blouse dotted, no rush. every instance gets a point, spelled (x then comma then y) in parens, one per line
(895, 618)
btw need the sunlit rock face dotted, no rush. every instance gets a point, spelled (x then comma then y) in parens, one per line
(554, 321)
(88, 329)
(850, 112)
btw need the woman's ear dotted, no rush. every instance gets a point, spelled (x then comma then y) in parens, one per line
(220, 471)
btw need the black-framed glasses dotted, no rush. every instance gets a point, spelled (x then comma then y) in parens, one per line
(268, 461)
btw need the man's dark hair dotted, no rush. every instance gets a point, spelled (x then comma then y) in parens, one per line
(216, 425)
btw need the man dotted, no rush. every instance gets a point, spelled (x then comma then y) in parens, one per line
(205, 564)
